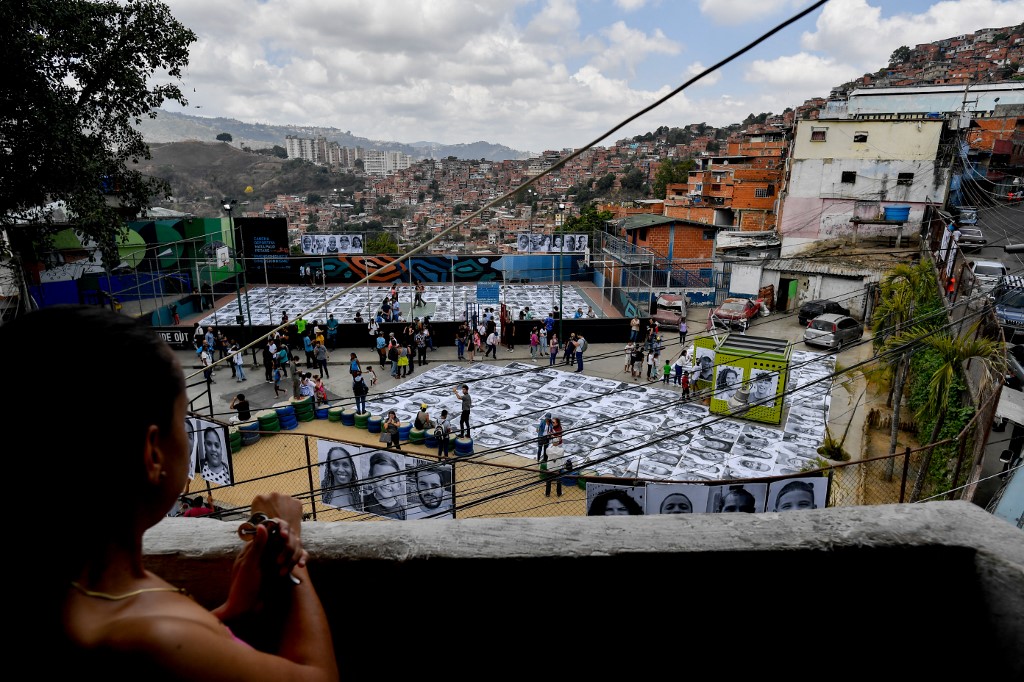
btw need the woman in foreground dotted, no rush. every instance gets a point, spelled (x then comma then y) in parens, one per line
(102, 612)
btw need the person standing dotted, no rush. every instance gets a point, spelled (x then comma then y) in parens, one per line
(510, 338)
(682, 331)
(634, 329)
(277, 382)
(421, 347)
(442, 432)
(666, 371)
(460, 341)
(393, 354)
(542, 341)
(553, 348)
(307, 347)
(544, 436)
(581, 348)
(359, 390)
(321, 357)
(238, 361)
(206, 359)
(684, 383)
(174, 313)
(283, 359)
(534, 344)
(652, 358)
(268, 362)
(420, 290)
(391, 426)
(467, 404)
(629, 356)
(403, 361)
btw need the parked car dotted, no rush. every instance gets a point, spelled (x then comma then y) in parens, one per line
(1009, 299)
(833, 331)
(669, 310)
(810, 310)
(1015, 366)
(987, 274)
(972, 238)
(735, 313)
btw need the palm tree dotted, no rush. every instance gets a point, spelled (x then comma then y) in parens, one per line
(953, 351)
(903, 289)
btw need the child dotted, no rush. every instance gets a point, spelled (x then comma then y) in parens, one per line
(373, 376)
(666, 371)
(685, 383)
(277, 382)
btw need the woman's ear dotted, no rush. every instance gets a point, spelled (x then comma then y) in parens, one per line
(153, 455)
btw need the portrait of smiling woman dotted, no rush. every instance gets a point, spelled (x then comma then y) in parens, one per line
(339, 480)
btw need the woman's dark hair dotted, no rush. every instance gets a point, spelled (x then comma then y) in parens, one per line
(600, 502)
(327, 483)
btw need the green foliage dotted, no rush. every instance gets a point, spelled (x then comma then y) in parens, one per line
(78, 77)
(589, 220)
(225, 137)
(901, 55)
(605, 182)
(670, 171)
(313, 199)
(632, 180)
(382, 242)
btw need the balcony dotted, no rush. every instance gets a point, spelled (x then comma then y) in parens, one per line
(556, 594)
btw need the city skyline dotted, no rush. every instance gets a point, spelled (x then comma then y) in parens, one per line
(537, 75)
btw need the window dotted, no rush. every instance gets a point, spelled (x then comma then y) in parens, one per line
(709, 234)
(761, 193)
(860, 136)
(849, 177)
(698, 187)
(818, 134)
(905, 179)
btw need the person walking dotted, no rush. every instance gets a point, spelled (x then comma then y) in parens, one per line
(510, 338)
(534, 344)
(420, 339)
(553, 348)
(359, 390)
(321, 357)
(950, 288)
(492, 345)
(420, 290)
(353, 365)
(467, 404)
(277, 382)
(393, 354)
(206, 358)
(460, 341)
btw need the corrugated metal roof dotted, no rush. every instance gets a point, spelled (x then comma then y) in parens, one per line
(638, 220)
(821, 266)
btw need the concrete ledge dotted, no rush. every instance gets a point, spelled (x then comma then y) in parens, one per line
(846, 587)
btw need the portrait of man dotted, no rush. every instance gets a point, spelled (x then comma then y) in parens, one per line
(581, 242)
(344, 244)
(763, 387)
(705, 364)
(332, 244)
(676, 498)
(429, 489)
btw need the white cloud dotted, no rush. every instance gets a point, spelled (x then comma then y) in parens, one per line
(630, 5)
(627, 47)
(731, 12)
(707, 81)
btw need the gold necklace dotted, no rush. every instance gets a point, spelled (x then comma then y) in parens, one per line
(126, 595)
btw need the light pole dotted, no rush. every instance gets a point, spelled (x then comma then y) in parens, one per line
(561, 251)
(246, 316)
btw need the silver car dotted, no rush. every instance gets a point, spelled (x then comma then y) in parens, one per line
(833, 331)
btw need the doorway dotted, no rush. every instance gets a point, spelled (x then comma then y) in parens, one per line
(787, 294)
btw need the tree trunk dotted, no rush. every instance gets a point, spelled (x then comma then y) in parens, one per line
(923, 473)
(897, 400)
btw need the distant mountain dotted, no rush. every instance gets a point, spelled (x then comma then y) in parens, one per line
(171, 126)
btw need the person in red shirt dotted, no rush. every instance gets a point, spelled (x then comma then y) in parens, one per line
(196, 507)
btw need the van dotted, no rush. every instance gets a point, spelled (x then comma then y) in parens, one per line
(668, 310)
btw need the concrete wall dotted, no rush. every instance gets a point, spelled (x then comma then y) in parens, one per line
(842, 588)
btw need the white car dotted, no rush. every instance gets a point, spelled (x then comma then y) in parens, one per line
(987, 273)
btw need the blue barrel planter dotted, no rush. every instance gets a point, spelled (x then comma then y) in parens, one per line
(249, 426)
(429, 440)
(897, 212)
(286, 411)
(463, 446)
(348, 417)
(403, 431)
(323, 412)
(289, 423)
(374, 423)
(250, 438)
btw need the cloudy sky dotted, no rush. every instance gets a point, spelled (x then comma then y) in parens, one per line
(539, 74)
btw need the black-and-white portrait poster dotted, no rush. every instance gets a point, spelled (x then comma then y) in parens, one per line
(342, 467)
(428, 489)
(214, 455)
(676, 498)
(193, 447)
(604, 499)
(764, 384)
(556, 243)
(705, 364)
(728, 381)
(331, 244)
(795, 494)
(747, 498)
(384, 489)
